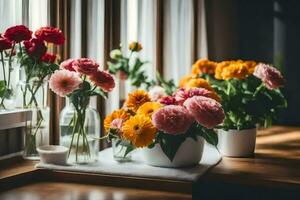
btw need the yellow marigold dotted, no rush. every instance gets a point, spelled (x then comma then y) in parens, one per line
(139, 130)
(231, 69)
(198, 83)
(117, 114)
(148, 108)
(185, 79)
(135, 46)
(204, 66)
(250, 64)
(136, 99)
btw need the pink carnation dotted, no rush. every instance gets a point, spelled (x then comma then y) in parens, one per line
(167, 100)
(117, 124)
(269, 75)
(207, 112)
(64, 82)
(183, 94)
(103, 79)
(172, 119)
(85, 66)
(68, 64)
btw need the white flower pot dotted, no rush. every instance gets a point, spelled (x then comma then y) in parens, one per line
(237, 143)
(189, 153)
(53, 154)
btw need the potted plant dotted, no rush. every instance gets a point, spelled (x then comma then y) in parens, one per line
(168, 131)
(250, 97)
(79, 79)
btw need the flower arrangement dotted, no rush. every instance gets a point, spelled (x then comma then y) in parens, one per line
(79, 79)
(249, 90)
(167, 121)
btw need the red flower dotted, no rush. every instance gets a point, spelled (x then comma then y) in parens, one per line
(50, 34)
(103, 79)
(4, 43)
(68, 64)
(85, 66)
(167, 100)
(35, 47)
(49, 58)
(18, 33)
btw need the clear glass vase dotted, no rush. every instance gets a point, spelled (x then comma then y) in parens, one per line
(8, 81)
(79, 131)
(33, 95)
(121, 149)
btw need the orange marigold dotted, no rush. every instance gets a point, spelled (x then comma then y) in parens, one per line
(185, 79)
(139, 130)
(250, 64)
(135, 46)
(148, 108)
(136, 99)
(231, 69)
(198, 83)
(204, 66)
(117, 114)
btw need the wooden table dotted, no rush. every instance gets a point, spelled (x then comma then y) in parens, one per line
(273, 172)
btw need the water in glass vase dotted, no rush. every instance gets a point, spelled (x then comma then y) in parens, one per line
(78, 132)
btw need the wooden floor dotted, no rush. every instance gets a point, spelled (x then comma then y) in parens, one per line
(72, 191)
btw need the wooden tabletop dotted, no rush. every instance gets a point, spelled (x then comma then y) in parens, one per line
(276, 164)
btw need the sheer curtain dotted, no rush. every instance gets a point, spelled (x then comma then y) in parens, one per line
(179, 36)
(10, 13)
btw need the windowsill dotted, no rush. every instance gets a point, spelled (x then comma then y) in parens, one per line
(14, 118)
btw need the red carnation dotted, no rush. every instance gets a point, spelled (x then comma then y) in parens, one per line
(18, 33)
(103, 79)
(85, 66)
(35, 47)
(4, 43)
(51, 35)
(48, 58)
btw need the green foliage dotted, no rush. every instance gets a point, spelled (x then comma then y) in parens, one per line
(248, 102)
(171, 143)
(169, 85)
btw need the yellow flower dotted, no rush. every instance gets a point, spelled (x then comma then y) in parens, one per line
(185, 79)
(204, 66)
(117, 114)
(139, 130)
(136, 99)
(135, 46)
(198, 83)
(250, 64)
(148, 108)
(231, 69)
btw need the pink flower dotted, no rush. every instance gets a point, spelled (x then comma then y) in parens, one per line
(183, 94)
(64, 82)
(167, 100)
(68, 64)
(103, 79)
(172, 119)
(117, 124)
(207, 112)
(85, 66)
(269, 75)
(156, 93)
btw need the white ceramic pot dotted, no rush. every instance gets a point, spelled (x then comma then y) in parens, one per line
(189, 153)
(53, 154)
(237, 143)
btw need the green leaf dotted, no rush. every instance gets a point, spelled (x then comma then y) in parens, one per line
(128, 150)
(210, 136)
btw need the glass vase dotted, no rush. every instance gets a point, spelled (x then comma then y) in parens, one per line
(120, 150)
(79, 131)
(33, 95)
(8, 81)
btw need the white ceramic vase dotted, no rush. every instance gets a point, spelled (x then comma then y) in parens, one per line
(189, 153)
(237, 143)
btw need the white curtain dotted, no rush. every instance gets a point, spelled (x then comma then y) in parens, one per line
(179, 37)
(10, 13)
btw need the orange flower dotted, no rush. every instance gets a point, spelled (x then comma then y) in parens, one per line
(250, 64)
(185, 79)
(117, 114)
(231, 69)
(135, 46)
(136, 99)
(204, 66)
(148, 108)
(139, 130)
(198, 83)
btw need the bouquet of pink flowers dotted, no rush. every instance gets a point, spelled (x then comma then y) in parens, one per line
(79, 79)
